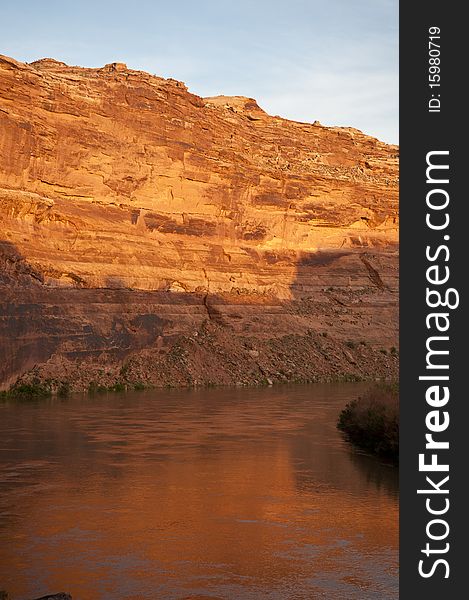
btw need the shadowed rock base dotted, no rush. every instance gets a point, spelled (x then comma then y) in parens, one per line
(80, 340)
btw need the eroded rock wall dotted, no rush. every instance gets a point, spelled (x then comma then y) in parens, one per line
(133, 212)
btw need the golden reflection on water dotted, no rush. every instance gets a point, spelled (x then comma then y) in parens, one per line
(233, 494)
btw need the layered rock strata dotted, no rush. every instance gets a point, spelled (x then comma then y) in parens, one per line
(150, 235)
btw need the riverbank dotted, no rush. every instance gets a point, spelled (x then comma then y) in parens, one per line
(214, 355)
(372, 421)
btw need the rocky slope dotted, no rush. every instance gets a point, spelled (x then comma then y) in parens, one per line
(150, 235)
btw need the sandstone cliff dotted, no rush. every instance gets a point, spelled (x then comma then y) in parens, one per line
(142, 227)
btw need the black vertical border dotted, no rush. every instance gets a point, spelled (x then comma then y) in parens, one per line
(421, 132)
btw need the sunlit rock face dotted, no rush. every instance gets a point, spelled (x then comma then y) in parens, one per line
(116, 180)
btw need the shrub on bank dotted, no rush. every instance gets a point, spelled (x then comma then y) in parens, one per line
(27, 391)
(372, 421)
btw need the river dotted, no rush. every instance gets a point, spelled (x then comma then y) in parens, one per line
(233, 494)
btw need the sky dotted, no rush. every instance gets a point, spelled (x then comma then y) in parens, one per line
(335, 61)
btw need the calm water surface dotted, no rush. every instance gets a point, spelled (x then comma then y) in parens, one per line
(245, 494)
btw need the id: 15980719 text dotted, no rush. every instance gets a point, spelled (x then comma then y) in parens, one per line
(434, 69)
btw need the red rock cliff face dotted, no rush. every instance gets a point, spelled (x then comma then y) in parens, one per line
(134, 213)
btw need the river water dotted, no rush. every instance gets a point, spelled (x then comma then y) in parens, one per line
(243, 494)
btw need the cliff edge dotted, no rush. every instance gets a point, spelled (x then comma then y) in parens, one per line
(138, 219)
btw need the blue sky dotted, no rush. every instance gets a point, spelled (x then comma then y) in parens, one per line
(335, 61)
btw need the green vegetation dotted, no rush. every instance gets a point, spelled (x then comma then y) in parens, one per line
(346, 378)
(27, 391)
(37, 389)
(96, 388)
(63, 389)
(124, 371)
(372, 421)
(117, 387)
